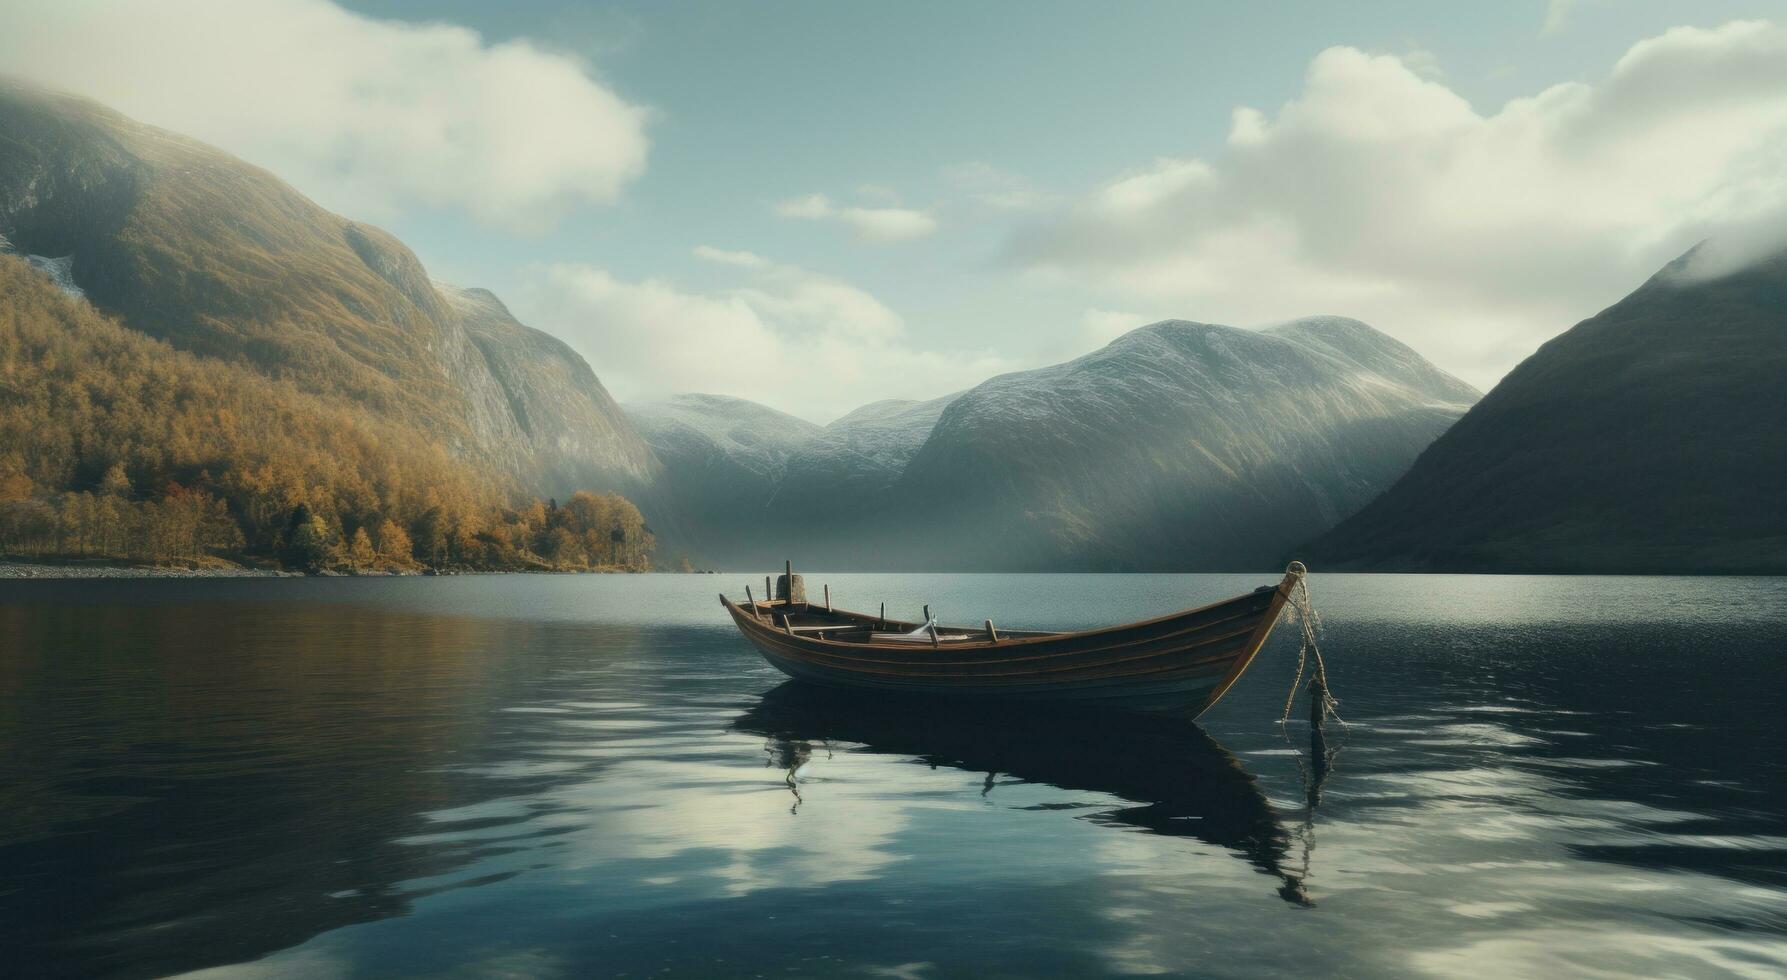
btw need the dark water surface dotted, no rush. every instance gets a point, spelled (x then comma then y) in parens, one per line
(593, 776)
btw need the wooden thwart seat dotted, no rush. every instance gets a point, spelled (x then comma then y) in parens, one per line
(1187, 660)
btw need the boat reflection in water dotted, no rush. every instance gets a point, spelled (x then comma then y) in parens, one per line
(1181, 782)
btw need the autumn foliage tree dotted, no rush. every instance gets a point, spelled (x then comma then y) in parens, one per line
(115, 445)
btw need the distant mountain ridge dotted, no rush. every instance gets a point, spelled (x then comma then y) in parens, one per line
(1178, 446)
(845, 474)
(1650, 438)
(724, 458)
(190, 245)
(753, 481)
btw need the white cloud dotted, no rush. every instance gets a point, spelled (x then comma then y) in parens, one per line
(888, 224)
(1148, 188)
(795, 339)
(811, 207)
(744, 260)
(880, 224)
(1385, 195)
(998, 189)
(1423, 63)
(367, 116)
(750, 842)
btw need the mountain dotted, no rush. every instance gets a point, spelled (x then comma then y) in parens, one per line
(218, 258)
(724, 460)
(843, 474)
(578, 435)
(1650, 438)
(756, 483)
(114, 445)
(1178, 446)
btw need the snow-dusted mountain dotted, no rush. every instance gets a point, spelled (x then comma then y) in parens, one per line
(712, 430)
(59, 270)
(1358, 342)
(839, 483)
(860, 455)
(762, 484)
(1179, 445)
(724, 460)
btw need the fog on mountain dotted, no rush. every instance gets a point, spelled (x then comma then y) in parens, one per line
(257, 370)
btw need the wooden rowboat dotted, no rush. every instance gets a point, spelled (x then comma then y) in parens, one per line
(1185, 661)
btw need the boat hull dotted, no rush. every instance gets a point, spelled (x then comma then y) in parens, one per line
(1183, 662)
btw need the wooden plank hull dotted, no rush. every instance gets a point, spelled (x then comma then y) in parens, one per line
(1185, 661)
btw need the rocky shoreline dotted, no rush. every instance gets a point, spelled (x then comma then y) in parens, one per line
(32, 570)
(12, 570)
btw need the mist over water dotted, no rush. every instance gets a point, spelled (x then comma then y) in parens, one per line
(595, 776)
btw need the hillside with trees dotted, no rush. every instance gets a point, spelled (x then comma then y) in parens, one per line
(184, 243)
(116, 445)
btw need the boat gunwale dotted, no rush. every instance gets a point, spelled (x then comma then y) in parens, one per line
(751, 621)
(1077, 673)
(782, 638)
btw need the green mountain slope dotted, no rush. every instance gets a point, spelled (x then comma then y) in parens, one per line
(1649, 438)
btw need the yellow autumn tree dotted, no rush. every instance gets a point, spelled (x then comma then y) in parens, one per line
(115, 444)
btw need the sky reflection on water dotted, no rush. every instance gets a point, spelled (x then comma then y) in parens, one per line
(594, 776)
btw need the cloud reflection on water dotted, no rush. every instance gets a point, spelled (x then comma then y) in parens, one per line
(405, 787)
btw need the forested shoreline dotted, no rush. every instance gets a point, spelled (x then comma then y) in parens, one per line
(115, 445)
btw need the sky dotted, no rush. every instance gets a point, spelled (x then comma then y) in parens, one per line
(817, 205)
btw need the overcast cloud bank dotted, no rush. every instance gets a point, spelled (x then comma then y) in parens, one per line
(366, 116)
(1384, 195)
(785, 336)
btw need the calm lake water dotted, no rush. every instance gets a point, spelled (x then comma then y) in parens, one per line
(594, 776)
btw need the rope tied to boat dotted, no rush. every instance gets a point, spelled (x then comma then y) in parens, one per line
(1302, 612)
